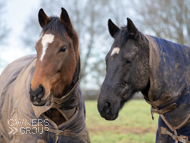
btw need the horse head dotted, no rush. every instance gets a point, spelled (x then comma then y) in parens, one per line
(127, 69)
(57, 58)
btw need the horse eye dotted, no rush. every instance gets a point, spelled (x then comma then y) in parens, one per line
(128, 61)
(62, 49)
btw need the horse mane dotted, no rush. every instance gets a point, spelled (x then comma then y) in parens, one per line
(123, 35)
(54, 26)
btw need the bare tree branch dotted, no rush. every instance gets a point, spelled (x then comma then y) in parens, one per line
(4, 32)
(168, 19)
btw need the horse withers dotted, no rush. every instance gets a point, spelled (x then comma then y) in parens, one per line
(40, 99)
(160, 69)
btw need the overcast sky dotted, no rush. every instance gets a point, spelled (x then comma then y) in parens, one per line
(16, 15)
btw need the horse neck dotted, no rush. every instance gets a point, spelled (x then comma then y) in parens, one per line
(145, 90)
(146, 50)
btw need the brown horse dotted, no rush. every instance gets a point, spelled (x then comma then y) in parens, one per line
(51, 79)
(57, 59)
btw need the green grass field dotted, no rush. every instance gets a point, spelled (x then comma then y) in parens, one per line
(134, 124)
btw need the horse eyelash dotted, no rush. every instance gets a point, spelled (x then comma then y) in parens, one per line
(128, 61)
(62, 49)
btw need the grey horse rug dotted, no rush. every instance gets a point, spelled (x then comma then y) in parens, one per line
(22, 122)
(169, 93)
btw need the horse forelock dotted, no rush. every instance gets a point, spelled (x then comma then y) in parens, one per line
(122, 36)
(54, 27)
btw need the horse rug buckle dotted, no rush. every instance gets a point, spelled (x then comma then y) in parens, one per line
(183, 139)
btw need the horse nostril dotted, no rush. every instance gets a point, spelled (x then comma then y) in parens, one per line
(107, 104)
(41, 91)
(107, 107)
(36, 95)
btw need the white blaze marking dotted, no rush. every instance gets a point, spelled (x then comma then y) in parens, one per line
(46, 39)
(115, 51)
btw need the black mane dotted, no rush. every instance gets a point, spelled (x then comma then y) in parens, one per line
(122, 36)
(55, 27)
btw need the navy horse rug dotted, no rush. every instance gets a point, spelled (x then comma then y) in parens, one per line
(169, 92)
(22, 122)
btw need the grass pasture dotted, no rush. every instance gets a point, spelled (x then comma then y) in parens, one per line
(134, 124)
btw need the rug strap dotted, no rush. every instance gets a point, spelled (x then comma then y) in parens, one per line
(183, 139)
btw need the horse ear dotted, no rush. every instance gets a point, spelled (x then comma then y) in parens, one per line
(113, 29)
(133, 31)
(42, 18)
(64, 18)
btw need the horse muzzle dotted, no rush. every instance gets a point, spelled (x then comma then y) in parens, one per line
(106, 110)
(36, 96)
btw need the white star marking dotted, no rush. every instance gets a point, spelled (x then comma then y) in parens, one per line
(46, 39)
(115, 51)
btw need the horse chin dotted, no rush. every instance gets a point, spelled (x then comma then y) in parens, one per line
(41, 103)
(109, 116)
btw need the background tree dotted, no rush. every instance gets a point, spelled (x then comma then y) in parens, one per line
(169, 19)
(4, 31)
